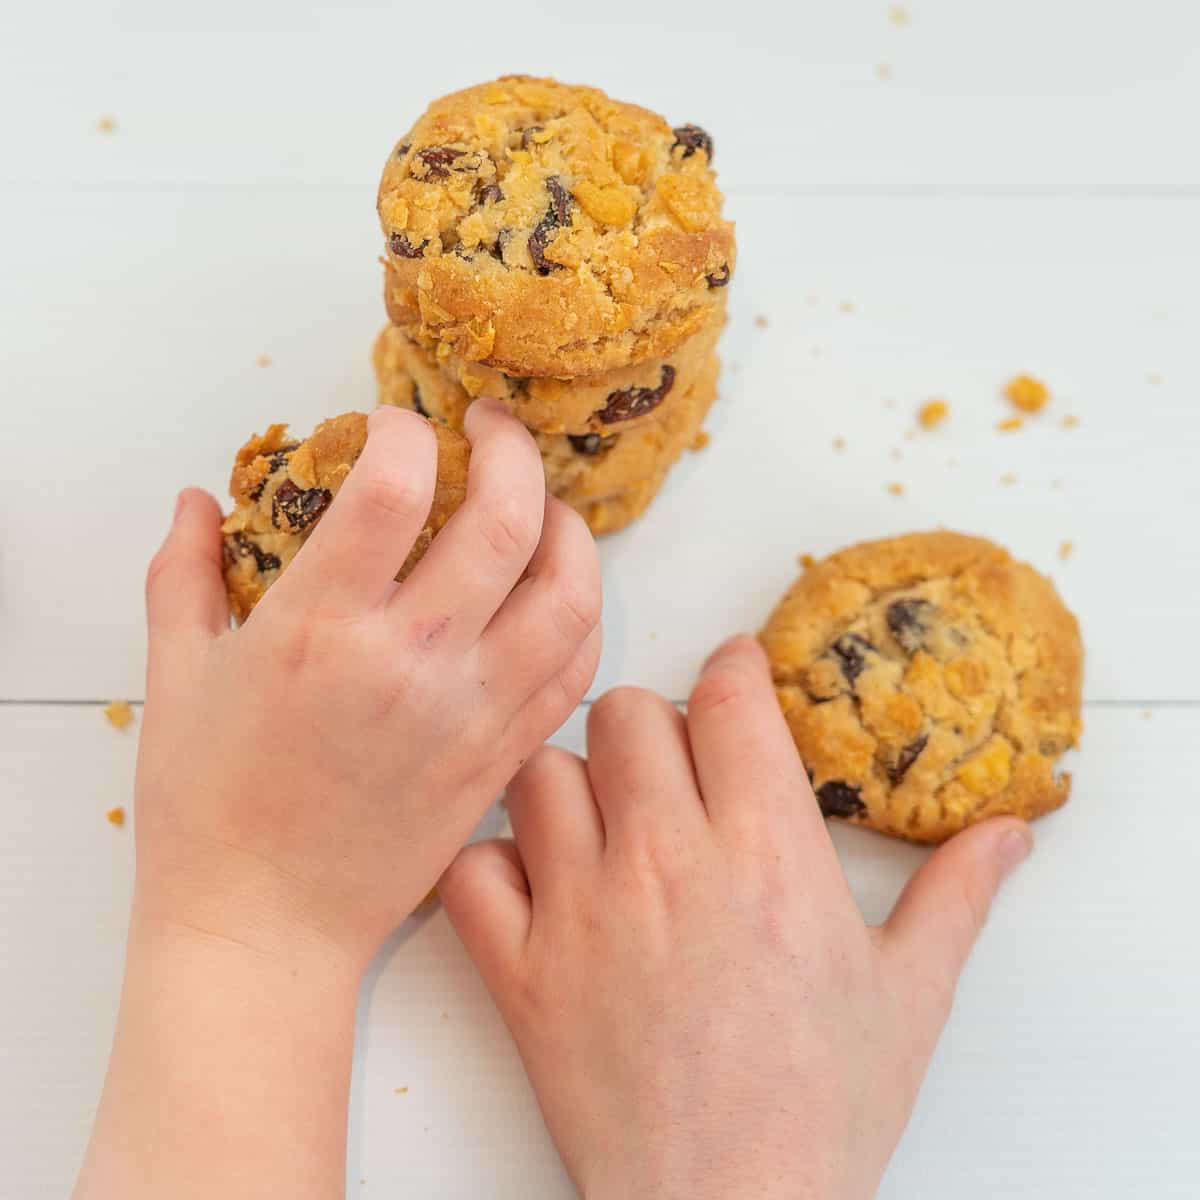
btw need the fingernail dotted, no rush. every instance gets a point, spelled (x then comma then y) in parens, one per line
(180, 505)
(1013, 849)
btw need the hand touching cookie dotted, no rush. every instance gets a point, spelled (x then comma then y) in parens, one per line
(698, 1003)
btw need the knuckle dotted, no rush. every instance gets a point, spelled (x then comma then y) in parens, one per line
(576, 610)
(509, 528)
(164, 566)
(389, 495)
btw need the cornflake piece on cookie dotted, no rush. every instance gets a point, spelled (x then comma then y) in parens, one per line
(929, 681)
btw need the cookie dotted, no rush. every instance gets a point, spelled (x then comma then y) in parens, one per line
(604, 404)
(929, 681)
(609, 479)
(281, 487)
(547, 230)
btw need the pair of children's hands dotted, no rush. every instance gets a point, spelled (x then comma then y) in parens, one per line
(698, 1003)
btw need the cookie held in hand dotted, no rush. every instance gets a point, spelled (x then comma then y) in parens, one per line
(929, 681)
(281, 487)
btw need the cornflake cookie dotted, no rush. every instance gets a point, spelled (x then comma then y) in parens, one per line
(281, 487)
(604, 404)
(609, 479)
(929, 681)
(545, 229)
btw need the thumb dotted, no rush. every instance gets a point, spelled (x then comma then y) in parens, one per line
(942, 911)
(486, 895)
(185, 588)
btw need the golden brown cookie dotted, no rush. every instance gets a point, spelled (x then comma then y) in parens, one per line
(546, 229)
(604, 404)
(609, 479)
(281, 487)
(930, 681)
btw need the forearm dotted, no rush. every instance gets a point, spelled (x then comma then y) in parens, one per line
(230, 1072)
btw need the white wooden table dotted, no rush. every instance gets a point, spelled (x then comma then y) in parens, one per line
(1021, 194)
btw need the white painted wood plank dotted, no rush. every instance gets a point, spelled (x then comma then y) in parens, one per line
(1027, 94)
(1069, 1067)
(130, 325)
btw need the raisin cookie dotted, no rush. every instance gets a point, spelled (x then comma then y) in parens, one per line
(281, 487)
(604, 404)
(929, 681)
(610, 479)
(546, 229)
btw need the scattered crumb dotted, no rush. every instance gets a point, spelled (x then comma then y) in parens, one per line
(263, 360)
(653, 636)
(908, 435)
(115, 816)
(898, 15)
(1147, 714)
(884, 71)
(1056, 485)
(897, 489)
(812, 299)
(119, 714)
(1008, 479)
(106, 125)
(1153, 378)
(1065, 550)
(896, 454)
(933, 414)
(889, 403)
(807, 560)
(700, 440)
(1027, 393)
(402, 1091)
(848, 307)
(1009, 424)
(839, 443)
(761, 321)
(952, 462)
(816, 352)
(1070, 421)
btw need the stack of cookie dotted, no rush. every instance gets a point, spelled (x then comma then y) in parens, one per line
(564, 253)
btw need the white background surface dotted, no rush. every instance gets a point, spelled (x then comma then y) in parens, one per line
(1021, 195)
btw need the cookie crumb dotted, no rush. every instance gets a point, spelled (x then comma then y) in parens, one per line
(1065, 550)
(898, 15)
(932, 414)
(896, 489)
(700, 440)
(884, 71)
(1008, 479)
(952, 462)
(816, 352)
(1070, 421)
(839, 443)
(889, 402)
(402, 1091)
(263, 360)
(1027, 393)
(1153, 378)
(807, 560)
(115, 816)
(896, 454)
(761, 321)
(1009, 424)
(848, 307)
(1056, 485)
(106, 125)
(119, 714)
(1147, 713)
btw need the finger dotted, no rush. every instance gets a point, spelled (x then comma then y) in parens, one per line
(350, 559)
(750, 774)
(641, 769)
(941, 912)
(486, 896)
(545, 711)
(486, 545)
(554, 818)
(185, 585)
(550, 613)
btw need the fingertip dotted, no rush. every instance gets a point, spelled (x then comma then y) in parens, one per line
(1012, 844)
(388, 417)
(741, 646)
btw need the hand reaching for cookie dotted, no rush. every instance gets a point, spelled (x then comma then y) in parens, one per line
(699, 1005)
(303, 781)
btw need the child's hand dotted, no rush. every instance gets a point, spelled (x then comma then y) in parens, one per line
(699, 1005)
(316, 770)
